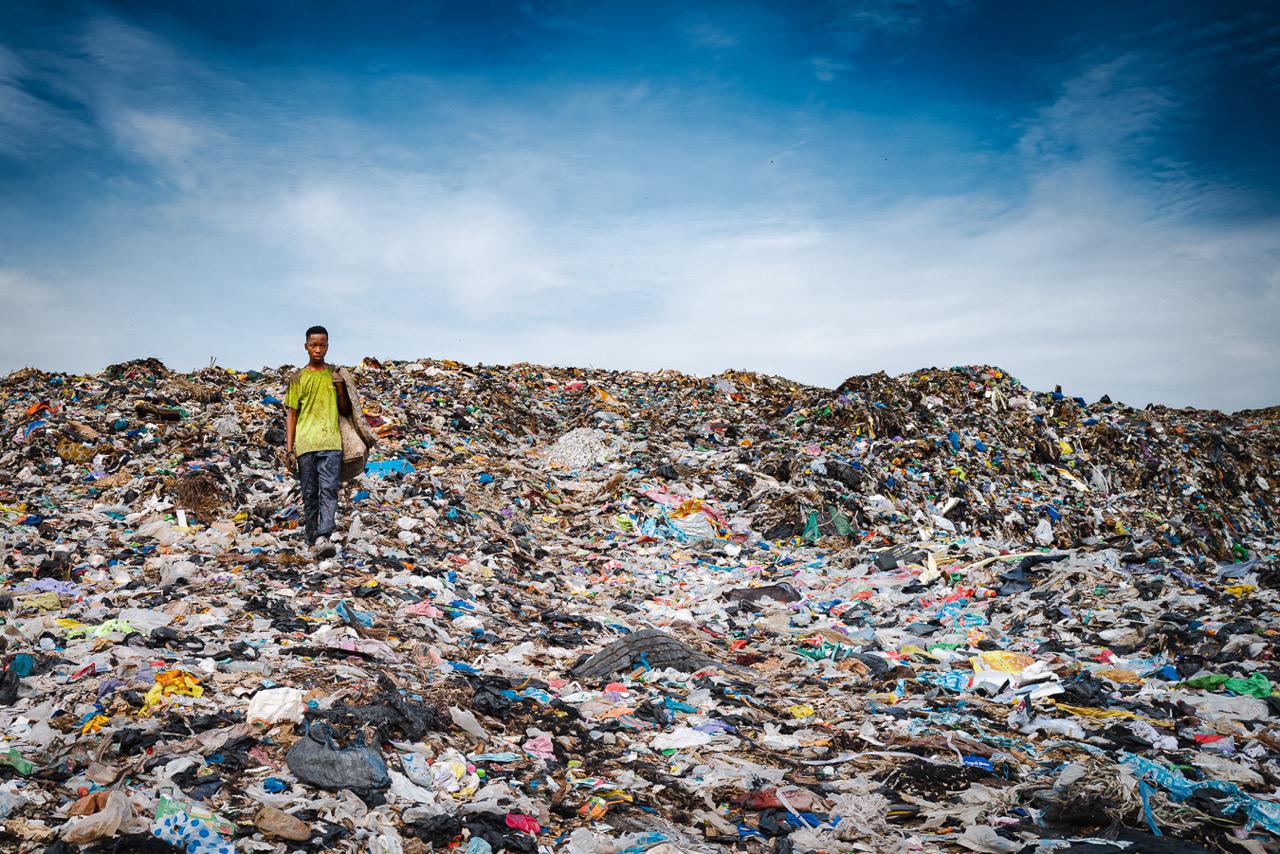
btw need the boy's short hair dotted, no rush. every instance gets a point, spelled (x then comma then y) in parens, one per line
(318, 330)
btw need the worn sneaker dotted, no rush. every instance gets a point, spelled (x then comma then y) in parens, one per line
(324, 548)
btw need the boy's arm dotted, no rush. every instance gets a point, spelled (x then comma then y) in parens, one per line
(290, 427)
(291, 404)
(344, 402)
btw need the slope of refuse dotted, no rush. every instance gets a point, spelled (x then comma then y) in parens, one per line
(598, 612)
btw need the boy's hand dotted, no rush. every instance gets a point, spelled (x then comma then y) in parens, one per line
(340, 392)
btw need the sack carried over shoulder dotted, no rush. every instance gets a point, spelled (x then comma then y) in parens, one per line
(353, 447)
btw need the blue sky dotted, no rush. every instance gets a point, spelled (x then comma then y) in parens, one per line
(1084, 193)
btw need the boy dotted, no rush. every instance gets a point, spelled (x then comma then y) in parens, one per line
(317, 395)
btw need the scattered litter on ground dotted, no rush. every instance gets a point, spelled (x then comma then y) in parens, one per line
(601, 612)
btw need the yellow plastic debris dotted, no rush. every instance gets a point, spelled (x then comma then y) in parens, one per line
(94, 724)
(1116, 675)
(1005, 662)
(171, 683)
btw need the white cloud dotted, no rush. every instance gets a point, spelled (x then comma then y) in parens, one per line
(158, 138)
(127, 55)
(852, 21)
(708, 34)
(29, 126)
(1105, 110)
(1079, 285)
(20, 289)
(827, 69)
(29, 329)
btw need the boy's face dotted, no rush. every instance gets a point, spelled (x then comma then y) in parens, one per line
(317, 346)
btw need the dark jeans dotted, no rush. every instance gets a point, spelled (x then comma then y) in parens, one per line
(319, 472)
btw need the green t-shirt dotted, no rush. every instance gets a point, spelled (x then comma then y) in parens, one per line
(316, 400)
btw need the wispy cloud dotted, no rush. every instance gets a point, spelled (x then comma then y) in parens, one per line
(706, 33)
(827, 69)
(554, 17)
(853, 21)
(157, 138)
(30, 126)
(1108, 110)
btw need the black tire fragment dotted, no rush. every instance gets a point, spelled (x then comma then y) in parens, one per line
(659, 649)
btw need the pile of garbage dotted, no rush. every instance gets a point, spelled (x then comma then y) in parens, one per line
(601, 612)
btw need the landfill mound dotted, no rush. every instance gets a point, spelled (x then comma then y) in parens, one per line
(597, 612)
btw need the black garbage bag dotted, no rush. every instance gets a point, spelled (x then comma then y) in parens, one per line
(492, 828)
(844, 473)
(900, 555)
(9, 683)
(439, 830)
(391, 715)
(131, 741)
(125, 843)
(318, 761)
(781, 592)
(1016, 580)
(490, 701)
(784, 531)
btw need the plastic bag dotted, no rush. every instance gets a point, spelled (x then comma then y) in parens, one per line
(103, 824)
(468, 722)
(318, 761)
(278, 823)
(275, 705)
(190, 834)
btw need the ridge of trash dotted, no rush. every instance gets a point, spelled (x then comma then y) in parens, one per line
(612, 612)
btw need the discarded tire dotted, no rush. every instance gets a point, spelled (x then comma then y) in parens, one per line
(657, 648)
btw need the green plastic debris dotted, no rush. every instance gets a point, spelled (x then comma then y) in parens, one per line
(826, 651)
(1256, 685)
(171, 805)
(833, 523)
(15, 761)
(101, 629)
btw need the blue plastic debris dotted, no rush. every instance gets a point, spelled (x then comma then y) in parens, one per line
(382, 468)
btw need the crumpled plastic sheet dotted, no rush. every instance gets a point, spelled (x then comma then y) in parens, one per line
(1265, 813)
(317, 760)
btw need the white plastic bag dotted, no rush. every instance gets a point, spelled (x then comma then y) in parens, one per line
(275, 705)
(103, 824)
